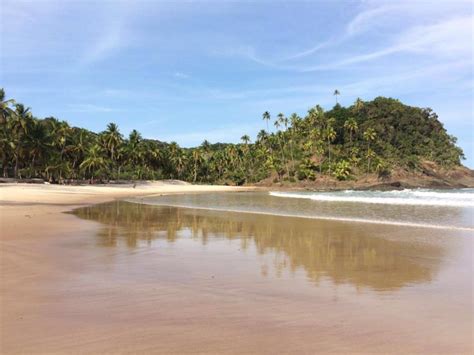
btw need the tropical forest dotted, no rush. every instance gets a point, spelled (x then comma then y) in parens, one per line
(344, 143)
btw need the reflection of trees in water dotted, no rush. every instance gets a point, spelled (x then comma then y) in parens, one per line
(343, 253)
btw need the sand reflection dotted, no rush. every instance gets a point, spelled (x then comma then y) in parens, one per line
(371, 257)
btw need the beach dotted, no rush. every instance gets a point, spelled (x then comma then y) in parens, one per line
(84, 271)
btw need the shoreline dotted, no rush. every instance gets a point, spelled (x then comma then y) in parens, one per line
(23, 205)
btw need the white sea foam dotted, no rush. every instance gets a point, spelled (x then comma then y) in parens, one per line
(403, 197)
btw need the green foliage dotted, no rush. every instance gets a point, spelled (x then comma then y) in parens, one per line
(342, 170)
(306, 170)
(367, 137)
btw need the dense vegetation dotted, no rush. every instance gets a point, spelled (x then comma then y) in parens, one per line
(369, 137)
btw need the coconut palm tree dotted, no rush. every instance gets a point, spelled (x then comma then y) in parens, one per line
(5, 107)
(113, 139)
(245, 139)
(369, 136)
(336, 93)
(179, 160)
(266, 117)
(358, 105)
(351, 126)
(330, 135)
(197, 158)
(6, 139)
(79, 143)
(38, 143)
(134, 148)
(60, 133)
(262, 136)
(94, 161)
(277, 125)
(20, 124)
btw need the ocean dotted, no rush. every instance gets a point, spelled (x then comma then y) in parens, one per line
(422, 208)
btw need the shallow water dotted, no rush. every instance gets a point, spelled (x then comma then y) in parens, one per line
(288, 284)
(433, 209)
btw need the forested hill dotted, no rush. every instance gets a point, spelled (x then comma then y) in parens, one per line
(370, 138)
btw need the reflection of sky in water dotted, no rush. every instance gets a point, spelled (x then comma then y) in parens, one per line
(380, 258)
(441, 216)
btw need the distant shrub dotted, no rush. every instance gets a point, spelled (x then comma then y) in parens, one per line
(342, 170)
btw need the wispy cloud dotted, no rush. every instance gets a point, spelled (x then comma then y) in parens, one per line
(112, 34)
(110, 41)
(309, 51)
(180, 75)
(448, 38)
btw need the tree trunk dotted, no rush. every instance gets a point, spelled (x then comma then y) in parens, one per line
(368, 158)
(33, 165)
(329, 155)
(16, 166)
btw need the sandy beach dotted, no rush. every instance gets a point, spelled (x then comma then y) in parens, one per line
(32, 215)
(120, 277)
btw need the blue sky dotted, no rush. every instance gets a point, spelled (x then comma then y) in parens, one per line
(190, 70)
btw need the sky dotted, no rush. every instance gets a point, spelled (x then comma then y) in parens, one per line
(186, 71)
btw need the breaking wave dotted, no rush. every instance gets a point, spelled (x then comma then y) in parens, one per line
(461, 198)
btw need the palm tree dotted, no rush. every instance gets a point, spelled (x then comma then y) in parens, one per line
(294, 119)
(38, 139)
(369, 136)
(134, 137)
(20, 123)
(197, 157)
(5, 110)
(262, 136)
(351, 126)
(178, 159)
(277, 125)
(245, 139)
(135, 148)
(113, 139)
(266, 117)
(205, 145)
(330, 135)
(336, 93)
(60, 132)
(6, 145)
(358, 105)
(94, 161)
(247, 156)
(80, 141)
(6, 113)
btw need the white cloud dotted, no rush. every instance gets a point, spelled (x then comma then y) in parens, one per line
(104, 46)
(364, 20)
(449, 38)
(180, 75)
(110, 33)
(452, 33)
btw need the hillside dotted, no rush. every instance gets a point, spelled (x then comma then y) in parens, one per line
(370, 143)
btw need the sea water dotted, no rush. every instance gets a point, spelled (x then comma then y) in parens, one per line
(424, 208)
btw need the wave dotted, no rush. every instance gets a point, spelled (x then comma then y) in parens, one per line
(403, 197)
(315, 217)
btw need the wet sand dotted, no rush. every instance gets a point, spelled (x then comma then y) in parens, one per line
(122, 277)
